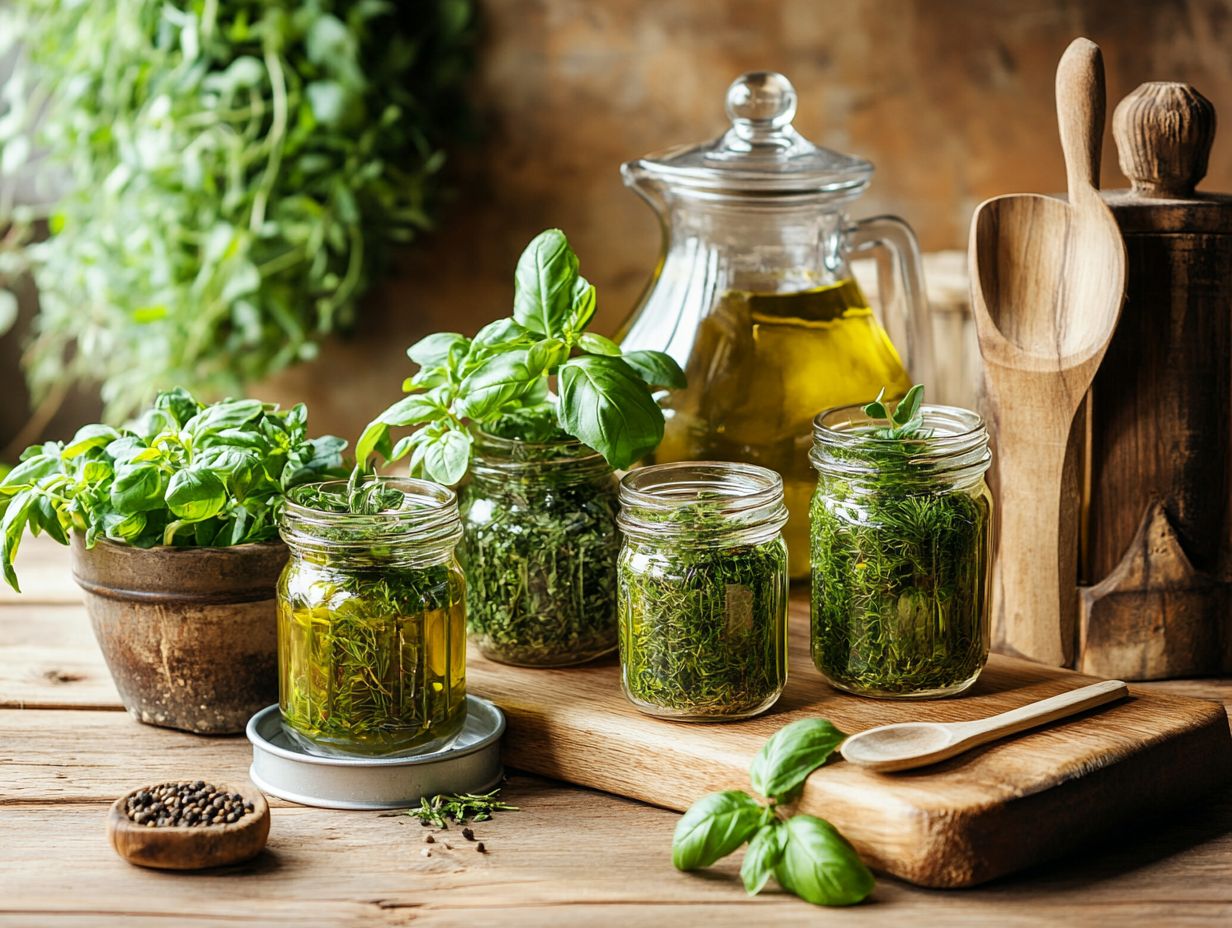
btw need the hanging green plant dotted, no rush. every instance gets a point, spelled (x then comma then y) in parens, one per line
(233, 175)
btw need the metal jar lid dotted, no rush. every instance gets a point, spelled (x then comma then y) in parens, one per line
(762, 153)
(470, 764)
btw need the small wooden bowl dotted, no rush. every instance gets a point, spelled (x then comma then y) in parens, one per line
(190, 847)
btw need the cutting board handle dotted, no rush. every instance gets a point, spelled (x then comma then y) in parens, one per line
(1080, 114)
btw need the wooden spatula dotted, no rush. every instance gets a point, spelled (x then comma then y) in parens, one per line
(1048, 279)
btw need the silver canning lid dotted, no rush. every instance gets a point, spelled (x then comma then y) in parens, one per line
(470, 764)
(761, 153)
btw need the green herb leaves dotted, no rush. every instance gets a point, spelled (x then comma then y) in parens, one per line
(229, 177)
(459, 808)
(182, 474)
(807, 855)
(715, 826)
(906, 419)
(791, 754)
(819, 865)
(501, 380)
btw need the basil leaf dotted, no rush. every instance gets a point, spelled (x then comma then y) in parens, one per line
(876, 409)
(606, 405)
(500, 379)
(714, 826)
(764, 853)
(501, 332)
(30, 471)
(597, 344)
(120, 527)
(411, 410)
(178, 405)
(543, 283)
(583, 305)
(434, 349)
(657, 368)
(445, 458)
(909, 406)
(791, 754)
(196, 494)
(13, 526)
(375, 437)
(547, 354)
(820, 866)
(137, 488)
(88, 438)
(231, 414)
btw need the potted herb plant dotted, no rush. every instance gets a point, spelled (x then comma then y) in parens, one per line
(172, 525)
(545, 411)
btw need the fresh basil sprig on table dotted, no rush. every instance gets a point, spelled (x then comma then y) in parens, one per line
(806, 854)
(500, 381)
(182, 474)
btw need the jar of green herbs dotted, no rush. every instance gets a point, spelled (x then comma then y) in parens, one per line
(900, 535)
(703, 590)
(372, 618)
(539, 552)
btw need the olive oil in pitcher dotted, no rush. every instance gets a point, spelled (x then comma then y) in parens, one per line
(765, 364)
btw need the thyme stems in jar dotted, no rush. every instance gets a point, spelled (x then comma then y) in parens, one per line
(899, 563)
(703, 615)
(540, 558)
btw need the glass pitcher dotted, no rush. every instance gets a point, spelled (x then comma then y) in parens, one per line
(754, 297)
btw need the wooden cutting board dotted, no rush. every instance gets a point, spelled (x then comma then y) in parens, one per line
(986, 813)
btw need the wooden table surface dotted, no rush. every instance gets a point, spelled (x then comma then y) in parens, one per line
(570, 857)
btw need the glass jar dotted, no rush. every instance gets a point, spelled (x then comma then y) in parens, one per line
(900, 533)
(372, 620)
(703, 590)
(755, 298)
(539, 551)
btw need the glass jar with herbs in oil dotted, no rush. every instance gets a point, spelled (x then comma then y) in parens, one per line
(900, 528)
(703, 590)
(372, 618)
(540, 551)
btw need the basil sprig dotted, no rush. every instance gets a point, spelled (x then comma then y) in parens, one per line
(181, 474)
(501, 380)
(806, 854)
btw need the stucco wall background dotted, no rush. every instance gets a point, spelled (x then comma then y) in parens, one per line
(951, 99)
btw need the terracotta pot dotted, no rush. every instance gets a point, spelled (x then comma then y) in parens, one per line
(189, 634)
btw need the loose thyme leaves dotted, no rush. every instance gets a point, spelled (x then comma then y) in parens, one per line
(459, 808)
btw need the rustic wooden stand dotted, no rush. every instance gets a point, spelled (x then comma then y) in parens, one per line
(1158, 547)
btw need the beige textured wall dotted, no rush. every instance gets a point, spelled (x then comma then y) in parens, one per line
(951, 99)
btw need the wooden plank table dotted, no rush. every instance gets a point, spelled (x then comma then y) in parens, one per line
(570, 857)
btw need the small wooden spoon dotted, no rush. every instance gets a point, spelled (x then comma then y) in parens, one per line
(916, 744)
(1048, 280)
(190, 847)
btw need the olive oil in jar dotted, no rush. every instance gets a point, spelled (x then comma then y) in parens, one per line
(763, 365)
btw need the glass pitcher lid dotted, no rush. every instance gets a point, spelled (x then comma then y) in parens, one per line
(761, 153)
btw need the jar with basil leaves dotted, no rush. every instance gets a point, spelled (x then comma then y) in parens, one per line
(703, 588)
(900, 528)
(372, 618)
(539, 551)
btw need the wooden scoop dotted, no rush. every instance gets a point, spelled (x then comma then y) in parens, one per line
(916, 744)
(1048, 279)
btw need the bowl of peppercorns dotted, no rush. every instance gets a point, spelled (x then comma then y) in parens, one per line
(188, 825)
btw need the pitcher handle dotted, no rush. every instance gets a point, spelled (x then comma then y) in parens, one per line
(900, 287)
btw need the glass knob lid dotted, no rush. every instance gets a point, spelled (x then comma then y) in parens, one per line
(762, 153)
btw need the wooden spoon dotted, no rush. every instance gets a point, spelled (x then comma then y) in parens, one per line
(190, 847)
(915, 744)
(1048, 279)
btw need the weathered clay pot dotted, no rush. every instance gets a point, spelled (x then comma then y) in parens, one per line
(189, 634)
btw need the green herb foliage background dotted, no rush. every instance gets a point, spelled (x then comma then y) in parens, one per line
(234, 174)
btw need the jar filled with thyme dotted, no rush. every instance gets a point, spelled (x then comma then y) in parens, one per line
(703, 590)
(372, 618)
(900, 532)
(539, 552)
